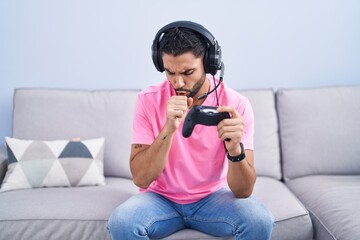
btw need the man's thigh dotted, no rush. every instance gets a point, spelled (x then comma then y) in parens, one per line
(222, 214)
(146, 214)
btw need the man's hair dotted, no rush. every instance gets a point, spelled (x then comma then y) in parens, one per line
(180, 40)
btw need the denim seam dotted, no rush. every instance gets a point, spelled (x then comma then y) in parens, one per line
(214, 220)
(158, 219)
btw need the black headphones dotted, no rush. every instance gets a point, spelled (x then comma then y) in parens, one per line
(212, 57)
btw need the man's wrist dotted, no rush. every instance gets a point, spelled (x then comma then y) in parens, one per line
(234, 151)
(236, 157)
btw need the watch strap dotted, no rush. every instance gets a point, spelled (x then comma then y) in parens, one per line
(239, 157)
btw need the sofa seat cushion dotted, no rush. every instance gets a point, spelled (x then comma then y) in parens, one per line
(333, 203)
(52, 213)
(292, 220)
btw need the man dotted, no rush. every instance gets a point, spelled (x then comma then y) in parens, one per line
(203, 182)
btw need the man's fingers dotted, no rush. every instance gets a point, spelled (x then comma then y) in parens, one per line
(231, 110)
(230, 129)
(190, 101)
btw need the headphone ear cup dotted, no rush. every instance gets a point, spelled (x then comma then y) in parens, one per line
(206, 61)
(157, 59)
(212, 59)
(160, 61)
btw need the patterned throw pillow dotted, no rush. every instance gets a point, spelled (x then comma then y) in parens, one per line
(58, 163)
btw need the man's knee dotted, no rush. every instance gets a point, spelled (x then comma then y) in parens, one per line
(122, 223)
(260, 224)
(264, 223)
(116, 220)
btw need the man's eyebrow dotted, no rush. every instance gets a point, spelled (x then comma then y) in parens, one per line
(167, 70)
(188, 71)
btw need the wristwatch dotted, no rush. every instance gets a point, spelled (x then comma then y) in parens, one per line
(239, 157)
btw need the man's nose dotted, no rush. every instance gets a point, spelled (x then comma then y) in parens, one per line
(179, 82)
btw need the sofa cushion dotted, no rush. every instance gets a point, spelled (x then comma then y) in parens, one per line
(319, 130)
(59, 163)
(266, 136)
(333, 203)
(49, 114)
(292, 220)
(52, 213)
(57, 211)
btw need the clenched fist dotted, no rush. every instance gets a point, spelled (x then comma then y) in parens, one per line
(176, 110)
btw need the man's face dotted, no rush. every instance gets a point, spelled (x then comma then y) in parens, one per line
(186, 74)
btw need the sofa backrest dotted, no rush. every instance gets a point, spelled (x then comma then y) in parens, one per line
(48, 114)
(266, 136)
(319, 130)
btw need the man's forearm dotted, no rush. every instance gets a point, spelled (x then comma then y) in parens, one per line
(241, 177)
(147, 165)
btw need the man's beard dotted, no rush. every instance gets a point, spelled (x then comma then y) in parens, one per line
(195, 89)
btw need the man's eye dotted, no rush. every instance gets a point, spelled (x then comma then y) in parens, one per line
(188, 73)
(170, 73)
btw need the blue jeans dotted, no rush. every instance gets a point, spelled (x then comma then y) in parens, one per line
(149, 215)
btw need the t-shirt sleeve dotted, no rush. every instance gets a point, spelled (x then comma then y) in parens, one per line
(142, 132)
(247, 114)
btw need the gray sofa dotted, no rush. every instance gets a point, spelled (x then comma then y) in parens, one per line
(307, 160)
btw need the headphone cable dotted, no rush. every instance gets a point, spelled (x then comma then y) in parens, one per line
(216, 92)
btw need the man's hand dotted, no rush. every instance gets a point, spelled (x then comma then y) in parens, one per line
(176, 111)
(231, 128)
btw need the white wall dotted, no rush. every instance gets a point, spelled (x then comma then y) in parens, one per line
(105, 44)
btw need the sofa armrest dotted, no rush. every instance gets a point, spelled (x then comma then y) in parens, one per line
(3, 162)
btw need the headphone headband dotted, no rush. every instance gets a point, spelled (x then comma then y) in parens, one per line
(212, 57)
(189, 25)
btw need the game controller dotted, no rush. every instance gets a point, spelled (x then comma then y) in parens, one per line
(204, 115)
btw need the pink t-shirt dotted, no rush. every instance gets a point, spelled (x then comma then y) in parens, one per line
(197, 166)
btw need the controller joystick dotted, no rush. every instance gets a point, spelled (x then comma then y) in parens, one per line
(204, 115)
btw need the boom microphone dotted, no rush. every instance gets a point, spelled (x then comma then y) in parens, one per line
(220, 80)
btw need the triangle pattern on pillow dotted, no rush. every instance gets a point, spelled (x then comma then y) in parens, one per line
(100, 154)
(95, 146)
(57, 146)
(91, 176)
(37, 150)
(16, 179)
(18, 147)
(11, 156)
(75, 168)
(56, 177)
(35, 178)
(75, 150)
